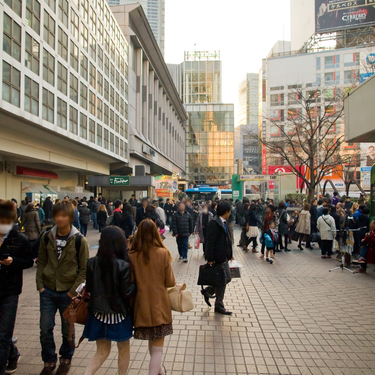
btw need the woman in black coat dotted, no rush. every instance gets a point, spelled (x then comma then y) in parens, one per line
(282, 216)
(252, 230)
(127, 222)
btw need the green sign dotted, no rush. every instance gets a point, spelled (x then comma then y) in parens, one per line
(118, 180)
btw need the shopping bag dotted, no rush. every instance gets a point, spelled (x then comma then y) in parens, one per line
(235, 269)
(197, 242)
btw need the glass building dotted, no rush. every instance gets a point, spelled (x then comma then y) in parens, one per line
(210, 143)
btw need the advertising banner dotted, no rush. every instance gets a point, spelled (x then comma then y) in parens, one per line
(165, 184)
(367, 156)
(332, 15)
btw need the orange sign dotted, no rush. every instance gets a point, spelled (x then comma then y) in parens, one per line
(162, 192)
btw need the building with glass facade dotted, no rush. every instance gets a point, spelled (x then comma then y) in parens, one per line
(210, 143)
(155, 12)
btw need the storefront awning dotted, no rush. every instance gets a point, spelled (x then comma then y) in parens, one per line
(24, 171)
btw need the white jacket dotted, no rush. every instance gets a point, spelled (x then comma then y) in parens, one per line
(161, 214)
(326, 226)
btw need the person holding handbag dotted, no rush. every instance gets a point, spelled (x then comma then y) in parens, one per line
(152, 267)
(303, 227)
(327, 228)
(109, 284)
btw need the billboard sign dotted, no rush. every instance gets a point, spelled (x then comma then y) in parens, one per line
(332, 15)
(367, 156)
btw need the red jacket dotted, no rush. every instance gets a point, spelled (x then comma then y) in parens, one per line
(369, 239)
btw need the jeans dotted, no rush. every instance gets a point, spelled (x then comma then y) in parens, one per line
(95, 220)
(8, 311)
(50, 302)
(84, 229)
(182, 244)
(169, 221)
(363, 252)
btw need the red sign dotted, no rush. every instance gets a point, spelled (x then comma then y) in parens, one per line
(163, 193)
(273, 169)
(264, 159)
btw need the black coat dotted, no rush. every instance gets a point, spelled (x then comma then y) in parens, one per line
(127, 224)
(252, 219)
(182, 224)
(168, 209)
(84, 215)
(47, 207)
(117, 217)
(109, 293)
(218, 242)
(11, 277)
(140, 215)
(314, 218)
(282, 216)
(102, 218)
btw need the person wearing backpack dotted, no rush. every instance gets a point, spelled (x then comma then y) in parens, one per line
(62, 261)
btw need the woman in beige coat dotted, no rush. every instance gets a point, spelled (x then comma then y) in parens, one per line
(152, 267)
(303, 226)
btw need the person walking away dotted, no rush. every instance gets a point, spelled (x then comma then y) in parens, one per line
(168, 211)
(252, 230)
(76, 222)
(335, 199)
(270, 241)
(141, 211)
(231, 221)
(110, 208)
(244, 218)
(189, 209)
(30, 222)
(117, 213)
(41, 213)
(182, 228)
(126, 222)
(47, 207)
(218, 252)
(152, 266)
(84, 217)
(109, 283)
(62, 261)
(303, 227)
(94, 212)
(268, 217)
(282, 217)
(313, 221)
(205, 216)
(326, 226)
(15, 256)
(161, 203)
(102, 217)
(160, 211)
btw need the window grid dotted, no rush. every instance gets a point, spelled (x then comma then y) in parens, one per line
(31, 54)
(31, 100)
(83, 95)
(92, 131)
(92, 103)
(64, 12)
(62, 114)
(73, 88)
(62, 78)
(48, 105)
(63, 44)
(16, 5)
(83, 126)
(74, 56)
(49, 29)
(33, 15)
(11, 84)
(84, 66)
(11, 37)
(48, 67)
(73, 120)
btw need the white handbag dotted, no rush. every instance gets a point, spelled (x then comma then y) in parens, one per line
(181, 298)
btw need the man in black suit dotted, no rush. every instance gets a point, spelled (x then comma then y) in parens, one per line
(218, 252)
(141, 211)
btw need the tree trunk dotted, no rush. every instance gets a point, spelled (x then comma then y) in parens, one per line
(311, 194)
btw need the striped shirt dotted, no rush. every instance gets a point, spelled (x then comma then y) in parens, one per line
(109, 318)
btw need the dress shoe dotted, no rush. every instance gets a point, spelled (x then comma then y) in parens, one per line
(222, 311)
(206, 297)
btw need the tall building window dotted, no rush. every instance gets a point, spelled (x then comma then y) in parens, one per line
(12, 37)
(112, 119)
(92, 102)
(117, 146)
(99, 108)
(106, 65)
(112, 142)
(106, 114)
(107, 41)
(73, 120)
(64, 12)
(112, 73)
(62, 114)
(93, 20)
(106, 136)
(48, 105)
(31, 96)
(100, 32)
(100, 83)
(11, 84)
(117, 101)
(48, 67)
(99, 135)
(74, 24)
(112, 96)
(49, 30)
(16, 5)
(92, 47)
(83, 126)
(92, 131)
(106, 90)
(84, 37)
(84, 66)
(74, 56)
(52, 4)
(62, 78)
(31, 54)
(33, 15)
(63, 44)
(117, 124)
(85, 10)
(92, 75)
(73, 88)
(100, 57)
(83, 95)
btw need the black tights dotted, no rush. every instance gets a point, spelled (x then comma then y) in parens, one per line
(281, 240)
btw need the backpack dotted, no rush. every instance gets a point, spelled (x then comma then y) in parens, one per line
(109, 220)
(78, 241)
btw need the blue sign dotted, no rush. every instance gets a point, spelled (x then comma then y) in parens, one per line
(370, 58)
(366, 169)
(365, 76)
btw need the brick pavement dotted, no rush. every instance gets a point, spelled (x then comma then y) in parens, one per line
(292, 317)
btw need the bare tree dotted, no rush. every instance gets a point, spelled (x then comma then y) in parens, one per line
(309, 138)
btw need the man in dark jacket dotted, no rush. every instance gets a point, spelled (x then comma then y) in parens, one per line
(168, 211)
(47, 207)
(218, 252)
(182, 228)
(141, 211)
(84, 217)
(15, 256)
(133, 201)
(94, 212)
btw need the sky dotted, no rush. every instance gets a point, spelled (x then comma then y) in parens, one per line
(243, 30)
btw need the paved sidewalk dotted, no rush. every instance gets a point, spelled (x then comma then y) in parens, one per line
(292, 317)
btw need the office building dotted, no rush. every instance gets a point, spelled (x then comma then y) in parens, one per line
(66, 99)
(210, 143)
(246, 146)
(155, 12)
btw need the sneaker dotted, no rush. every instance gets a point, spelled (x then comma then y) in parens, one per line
(271, 260)
(48, 368)
(185, 260)
(261, 256)
(287, 250)
(267, 260)
(180, 258)
(12, 366)
(361, 260)
(189, 246)
(64, 366)
(324, 256)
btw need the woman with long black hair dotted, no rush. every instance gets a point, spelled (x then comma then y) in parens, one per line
(109, 283)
